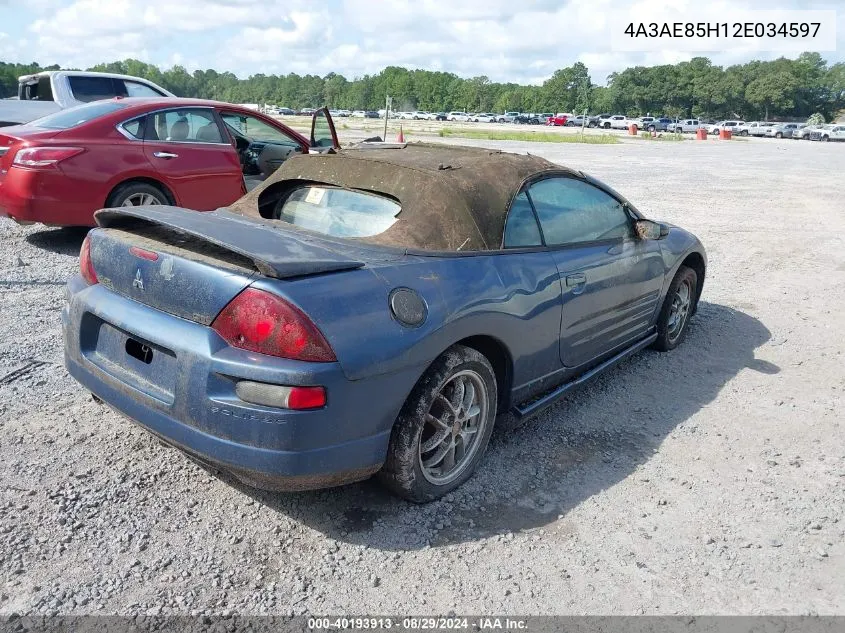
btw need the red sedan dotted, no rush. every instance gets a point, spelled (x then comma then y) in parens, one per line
(191, 153)
(558, 119)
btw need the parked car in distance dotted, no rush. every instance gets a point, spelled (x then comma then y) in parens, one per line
(507, 117)
(458, 116)
(829, 132)
(528, 118)
(371, 114)
(688, 125)
(753, 128)
(761, 129)
(287, 112)
(485, 117)
(358, 114)
(439, 116)
(783, 130)
(731, 125)
(660, 124)
(615, 121)
(803, 133)
(558, 119)
(198, 154)
(337, 338)
(53, 90)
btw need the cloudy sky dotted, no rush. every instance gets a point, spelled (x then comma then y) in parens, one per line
(507, 40)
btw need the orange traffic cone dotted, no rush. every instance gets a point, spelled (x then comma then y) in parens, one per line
(401, 137)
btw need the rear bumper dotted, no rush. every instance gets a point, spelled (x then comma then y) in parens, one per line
(29, 196)
(15, 198)
(194, 407)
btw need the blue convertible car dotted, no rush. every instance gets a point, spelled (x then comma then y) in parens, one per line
(371, 310)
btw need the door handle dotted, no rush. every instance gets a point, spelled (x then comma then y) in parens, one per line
(165, 155)
(576, 279)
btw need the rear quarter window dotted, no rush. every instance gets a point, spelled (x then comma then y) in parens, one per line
(137, 89)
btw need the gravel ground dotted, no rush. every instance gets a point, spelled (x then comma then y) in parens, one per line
(706, 480)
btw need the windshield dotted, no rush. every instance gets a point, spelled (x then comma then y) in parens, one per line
(338, 212)
(66, 119)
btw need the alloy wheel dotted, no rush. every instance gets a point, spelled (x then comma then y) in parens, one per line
(141, 200)
(453, 427)
(679, 312)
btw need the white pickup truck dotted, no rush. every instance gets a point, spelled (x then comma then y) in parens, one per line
(49, 91)
(754, 128)
(616, 122)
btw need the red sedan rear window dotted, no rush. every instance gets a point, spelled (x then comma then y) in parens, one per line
(72, 117)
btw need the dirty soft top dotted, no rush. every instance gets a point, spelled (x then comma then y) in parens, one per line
(451, 197)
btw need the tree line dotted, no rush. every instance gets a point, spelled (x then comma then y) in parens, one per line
(781, 88)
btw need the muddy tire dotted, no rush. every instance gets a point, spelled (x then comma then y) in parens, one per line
(444, 427)
(678, 307)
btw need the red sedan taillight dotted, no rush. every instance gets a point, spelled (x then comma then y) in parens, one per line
(44, 157)
(262, 322)
(86, 267)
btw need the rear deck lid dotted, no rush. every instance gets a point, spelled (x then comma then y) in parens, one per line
(192, 264)
(13, 137)
(274, 250)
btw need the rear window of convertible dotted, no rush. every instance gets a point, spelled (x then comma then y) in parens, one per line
(338, 212)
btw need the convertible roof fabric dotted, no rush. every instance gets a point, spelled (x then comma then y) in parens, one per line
(452, 198)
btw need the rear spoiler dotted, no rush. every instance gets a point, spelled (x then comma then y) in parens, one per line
(275, 251)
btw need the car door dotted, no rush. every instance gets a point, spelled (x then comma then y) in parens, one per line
(323, 134)
(263, 144)
(188, 149)
(610, 280)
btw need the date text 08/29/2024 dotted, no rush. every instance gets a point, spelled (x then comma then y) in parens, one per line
(424, 623)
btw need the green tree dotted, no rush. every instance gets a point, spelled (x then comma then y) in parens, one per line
(781, 87)
(772, 91)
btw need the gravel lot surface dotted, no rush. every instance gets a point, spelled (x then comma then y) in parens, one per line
(707, 480)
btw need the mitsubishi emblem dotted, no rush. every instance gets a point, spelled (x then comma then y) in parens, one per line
(138, 281)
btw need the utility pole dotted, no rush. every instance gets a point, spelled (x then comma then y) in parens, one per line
(388, 101)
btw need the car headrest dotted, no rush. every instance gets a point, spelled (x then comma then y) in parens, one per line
(180, 130)
(209, 133)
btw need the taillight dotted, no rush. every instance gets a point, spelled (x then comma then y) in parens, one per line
(280, 396)
(40, 157)
(262, 322)
(86, 267)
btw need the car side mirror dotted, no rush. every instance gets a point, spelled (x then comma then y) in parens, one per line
(650, 230)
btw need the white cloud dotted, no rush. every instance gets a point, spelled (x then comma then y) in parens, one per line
(523, 42)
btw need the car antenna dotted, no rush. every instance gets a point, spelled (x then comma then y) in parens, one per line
(464, 244)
